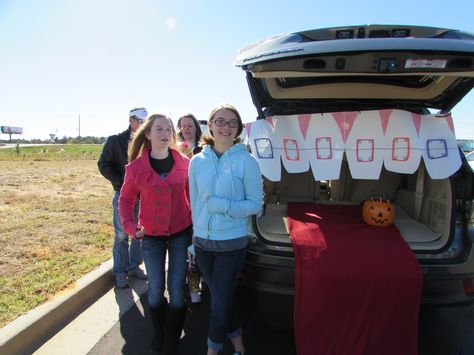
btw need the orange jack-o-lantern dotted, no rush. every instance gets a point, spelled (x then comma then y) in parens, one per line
(378, 212)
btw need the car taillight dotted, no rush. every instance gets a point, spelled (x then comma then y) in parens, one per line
(468, 285)
(242, 273)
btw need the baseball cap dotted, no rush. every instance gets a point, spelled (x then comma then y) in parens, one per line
(139, 113)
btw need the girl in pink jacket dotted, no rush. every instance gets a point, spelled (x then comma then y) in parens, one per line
(158, 173)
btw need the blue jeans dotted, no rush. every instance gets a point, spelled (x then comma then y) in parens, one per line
(154, 253)
(126, 258)
(221, 271)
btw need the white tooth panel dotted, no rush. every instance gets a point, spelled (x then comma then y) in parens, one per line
(291, 144)
(365, 146)
(262, 143)
(325, 139)
(441, 154)
(394, 138)
(403, 146)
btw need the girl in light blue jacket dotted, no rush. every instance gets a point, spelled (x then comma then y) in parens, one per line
(225, 186)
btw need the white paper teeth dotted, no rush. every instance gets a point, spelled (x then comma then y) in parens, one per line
(371, 139)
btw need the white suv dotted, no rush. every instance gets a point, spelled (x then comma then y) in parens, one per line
(349, 113)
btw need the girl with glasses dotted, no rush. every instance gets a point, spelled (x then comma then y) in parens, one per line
(226, 189)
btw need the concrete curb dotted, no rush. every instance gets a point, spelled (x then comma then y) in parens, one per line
(27, 333)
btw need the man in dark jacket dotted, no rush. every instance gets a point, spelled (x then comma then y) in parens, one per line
(111, 164)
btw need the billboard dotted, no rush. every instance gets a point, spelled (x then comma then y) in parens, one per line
(11, 130)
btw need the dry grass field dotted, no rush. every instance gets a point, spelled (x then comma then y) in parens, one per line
(56, 225)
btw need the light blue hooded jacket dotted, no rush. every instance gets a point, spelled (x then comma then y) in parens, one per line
(224, 192)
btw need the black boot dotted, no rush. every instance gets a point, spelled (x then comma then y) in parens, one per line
(158, 315)
(173, 328)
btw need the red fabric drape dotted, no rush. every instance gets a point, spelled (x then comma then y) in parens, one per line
(357, 287)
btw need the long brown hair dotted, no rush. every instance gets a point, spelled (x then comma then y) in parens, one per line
(209, 139)
(196, 124)
(140, 141)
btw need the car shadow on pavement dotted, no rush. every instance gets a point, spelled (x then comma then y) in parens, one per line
(265, 324)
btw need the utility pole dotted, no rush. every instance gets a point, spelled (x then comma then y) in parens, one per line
(79, 125)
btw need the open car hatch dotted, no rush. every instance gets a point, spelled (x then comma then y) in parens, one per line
(370, 67)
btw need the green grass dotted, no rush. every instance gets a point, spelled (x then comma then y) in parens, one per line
(52, 152)
(56, 227)
(51, 275)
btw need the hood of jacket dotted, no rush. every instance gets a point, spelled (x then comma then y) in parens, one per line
(207, 149)
(233, 150)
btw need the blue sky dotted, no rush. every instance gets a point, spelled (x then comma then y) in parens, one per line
(61, 59)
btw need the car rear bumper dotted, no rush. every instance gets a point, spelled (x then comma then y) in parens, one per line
(442, 284)
(268, 273)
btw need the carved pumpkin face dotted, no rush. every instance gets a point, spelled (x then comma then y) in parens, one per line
(378, 213)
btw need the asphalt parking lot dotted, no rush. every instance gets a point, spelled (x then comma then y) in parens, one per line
(118, 323)
(132, 334)
(268, 329)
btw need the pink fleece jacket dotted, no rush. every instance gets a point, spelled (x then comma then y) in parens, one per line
(164, 202)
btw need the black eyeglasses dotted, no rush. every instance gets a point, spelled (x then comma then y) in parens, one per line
(221, 122)
(139, 120)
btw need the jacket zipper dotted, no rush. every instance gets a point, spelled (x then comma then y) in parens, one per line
(213, 191)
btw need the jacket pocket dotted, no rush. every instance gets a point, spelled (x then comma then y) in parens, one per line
(223, 222)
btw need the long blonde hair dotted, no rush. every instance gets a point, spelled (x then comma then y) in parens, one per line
(140, 141)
